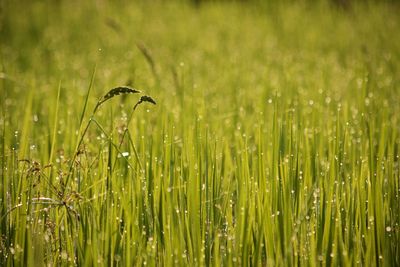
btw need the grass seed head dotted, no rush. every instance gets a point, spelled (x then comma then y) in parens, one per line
(146, 98)
(117, 91)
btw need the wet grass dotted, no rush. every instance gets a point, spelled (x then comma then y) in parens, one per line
(274, 140)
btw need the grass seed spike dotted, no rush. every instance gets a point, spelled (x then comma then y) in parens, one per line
(117, 91)
(145, 98)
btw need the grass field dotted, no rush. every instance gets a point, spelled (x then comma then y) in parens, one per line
(274, 141)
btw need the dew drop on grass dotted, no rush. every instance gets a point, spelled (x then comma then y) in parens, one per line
(125, 154)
